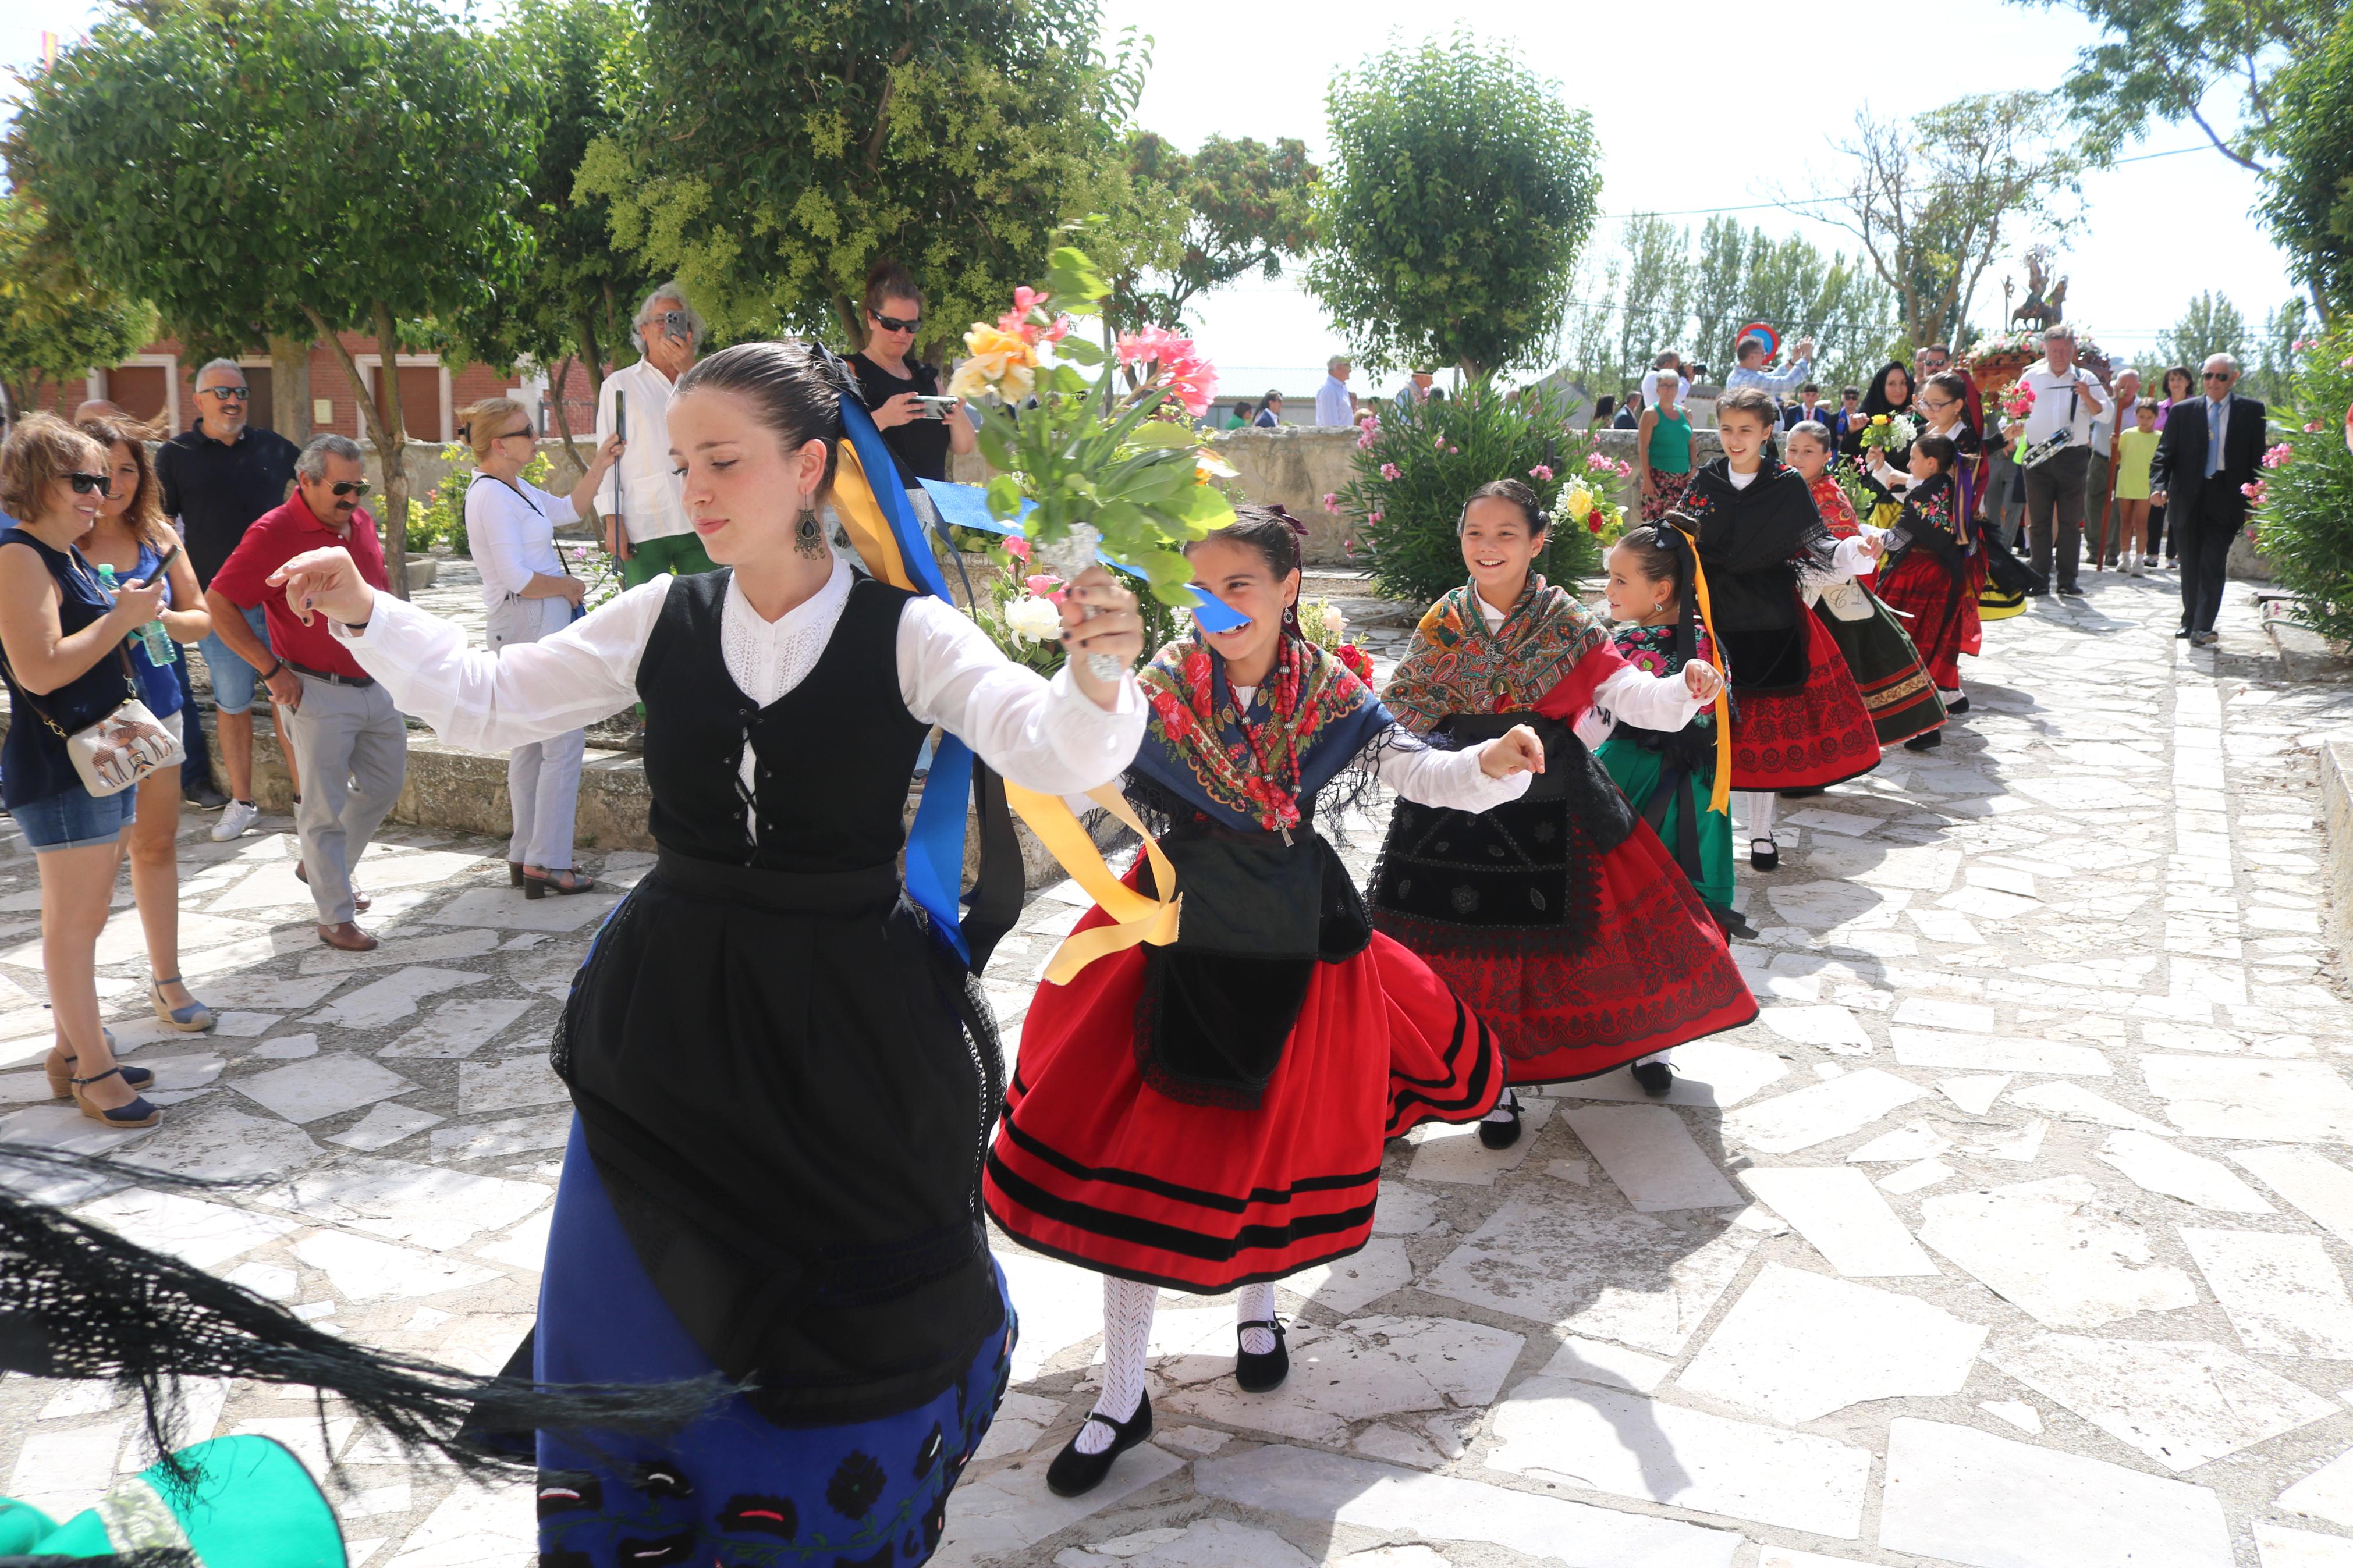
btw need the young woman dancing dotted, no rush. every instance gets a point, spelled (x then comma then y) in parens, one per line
(1798, 720)
(1927, 575)
(1559, 917)
(1209, 1114)
(784, 1084)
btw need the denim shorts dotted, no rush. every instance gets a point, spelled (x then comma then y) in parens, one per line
(75, 819)
(233, 678)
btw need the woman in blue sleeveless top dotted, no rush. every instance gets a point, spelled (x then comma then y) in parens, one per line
(62, 637)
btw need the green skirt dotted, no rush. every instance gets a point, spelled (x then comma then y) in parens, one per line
(1637, 768)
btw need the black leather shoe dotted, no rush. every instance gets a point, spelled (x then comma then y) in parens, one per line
(2182, 634)
(2070, 590)
(1928, 742)
(1656, 1078)
(1262, 1374)
(1073, 1474)
(1765, 858)
(1957, 705)
(1802, 794)
(1502, 1133)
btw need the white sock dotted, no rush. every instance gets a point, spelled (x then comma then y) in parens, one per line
(1665, 1057)
(1758, 809)
(1506, 1108)
(1255, 1303)
(1127, 1334)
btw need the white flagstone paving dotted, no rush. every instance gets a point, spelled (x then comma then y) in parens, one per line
(2049, 1016)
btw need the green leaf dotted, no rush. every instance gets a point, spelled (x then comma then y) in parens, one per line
(1163, 433)
(1004, 498)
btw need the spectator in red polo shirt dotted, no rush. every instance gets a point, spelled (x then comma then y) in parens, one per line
(349, 741)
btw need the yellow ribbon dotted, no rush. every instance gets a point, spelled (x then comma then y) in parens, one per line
(1134, 918)
(1720, 796)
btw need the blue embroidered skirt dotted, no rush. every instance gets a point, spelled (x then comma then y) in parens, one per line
(733, 1488)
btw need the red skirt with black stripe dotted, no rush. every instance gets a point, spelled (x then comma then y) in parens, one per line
(1810, 736)
(1092, 1165)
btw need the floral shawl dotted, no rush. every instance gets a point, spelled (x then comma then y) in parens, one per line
(1251, 769)
(1838, 512)
(1458, 666)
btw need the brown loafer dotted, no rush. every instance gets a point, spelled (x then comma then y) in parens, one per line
(360, 901)
(347, 937)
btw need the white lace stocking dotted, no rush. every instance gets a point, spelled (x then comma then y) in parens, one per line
(1127, 1334)
(1255, 1303)
(1758, 809)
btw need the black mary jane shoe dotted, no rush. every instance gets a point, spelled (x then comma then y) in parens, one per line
(1502, 1133)
(1260, 1373)
(1764, 855)
(1073, 1474)
(1928, 742)
(1804, 794)
(1656, 1078)
(1957, 705)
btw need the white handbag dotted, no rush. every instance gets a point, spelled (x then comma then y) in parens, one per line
(1846, 601)
(113, 755)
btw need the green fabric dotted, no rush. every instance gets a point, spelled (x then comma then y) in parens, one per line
(681, 553)
(1671, 443)
(252, 1505)
(1636, 769)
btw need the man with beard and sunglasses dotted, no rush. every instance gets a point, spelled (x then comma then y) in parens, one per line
(217, 476)
(350, 741)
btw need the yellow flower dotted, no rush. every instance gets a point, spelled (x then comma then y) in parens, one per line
(1879, 420)
(1001, 362)
(1579, 501)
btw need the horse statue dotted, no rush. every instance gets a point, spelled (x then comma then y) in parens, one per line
(2038, 310)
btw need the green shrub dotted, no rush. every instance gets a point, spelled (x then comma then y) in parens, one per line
(440, 517)
(1414, 468)
(2304, 520)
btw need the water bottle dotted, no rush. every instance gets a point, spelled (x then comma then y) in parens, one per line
(154, 642)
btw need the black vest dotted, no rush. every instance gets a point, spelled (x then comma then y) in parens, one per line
(833, 755)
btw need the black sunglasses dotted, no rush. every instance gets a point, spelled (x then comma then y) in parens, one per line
(2218, 375)
(350, 486)
(893, 324)
(228, 394)
(86, 484)
(526, 432)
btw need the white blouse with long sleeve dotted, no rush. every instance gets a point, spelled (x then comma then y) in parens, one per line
(1044, 735)
(510, 529)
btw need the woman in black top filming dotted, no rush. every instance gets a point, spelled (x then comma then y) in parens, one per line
(919, 435)
(67, 669)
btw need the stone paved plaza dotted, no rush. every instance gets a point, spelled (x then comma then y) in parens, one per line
(2014, 1233)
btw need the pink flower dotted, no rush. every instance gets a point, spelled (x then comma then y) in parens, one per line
(2301, 344)
(1374, 517)
(1597, 460)
(1389, 471)
(1439, 442)
(1026, 299)
(2254, 492)
(1364, 441)
(2347, 364)
(1060, 330)
(1454, 451)
(1540, 473)
(2314, 430)
(1331, 501)
(2278, 454)
(1018, 547)
(1348, 548)
(1371, 424)
(1178, 368)
(1044, 587)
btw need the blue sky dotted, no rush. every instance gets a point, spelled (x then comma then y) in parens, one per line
(1708, 105)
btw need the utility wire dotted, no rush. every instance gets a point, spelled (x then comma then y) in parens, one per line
(1828, 201)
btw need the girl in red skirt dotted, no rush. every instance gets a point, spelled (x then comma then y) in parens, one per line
(1561, 917)
(1927, 576)
(1798, 720)
(1210, 1114)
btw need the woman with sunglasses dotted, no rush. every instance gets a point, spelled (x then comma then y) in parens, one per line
(61, 646)
(894, 387)
(131, 537)
(530, 593)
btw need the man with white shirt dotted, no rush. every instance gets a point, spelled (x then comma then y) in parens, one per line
(2067, 399)
(644, 524)
(2099, 492)
(1334, 404)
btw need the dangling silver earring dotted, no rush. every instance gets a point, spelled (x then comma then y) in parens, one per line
(809, 538)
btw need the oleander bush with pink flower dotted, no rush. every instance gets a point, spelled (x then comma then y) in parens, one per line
(2303, 501)
(1415, 468)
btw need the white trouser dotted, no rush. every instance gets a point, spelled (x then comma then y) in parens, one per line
(543, 777)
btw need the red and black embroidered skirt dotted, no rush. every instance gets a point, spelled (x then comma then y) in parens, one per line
(1942, 612)
(1808, 732)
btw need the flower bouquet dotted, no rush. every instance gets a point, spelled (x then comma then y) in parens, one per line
(1889, 433)
(1094, 443)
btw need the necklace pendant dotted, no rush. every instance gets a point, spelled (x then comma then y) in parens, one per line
(1286, 837)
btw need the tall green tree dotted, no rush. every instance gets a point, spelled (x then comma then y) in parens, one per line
(774, 150)
(1248, 208)
(1462, 189)
(2209, 324)
(1935, 198)
(2308, 192)
(377, 159)
(571, 306)
(54, 323)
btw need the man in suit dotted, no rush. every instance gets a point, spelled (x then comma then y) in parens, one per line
(2212, 446)
(1810, 405)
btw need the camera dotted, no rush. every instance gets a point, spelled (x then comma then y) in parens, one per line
(937, 407)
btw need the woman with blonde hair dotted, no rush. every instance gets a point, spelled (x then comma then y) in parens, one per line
(511, 528)
(62, 656)
(132, 538)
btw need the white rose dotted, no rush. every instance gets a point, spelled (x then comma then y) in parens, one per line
(1038, 620)
(1336, 622)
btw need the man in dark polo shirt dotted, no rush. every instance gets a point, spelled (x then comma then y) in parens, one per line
(350, 741)
(218, 477)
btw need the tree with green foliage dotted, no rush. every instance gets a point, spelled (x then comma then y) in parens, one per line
(772, 151)
(1460, 191)
(572, 305)
(2209, 324)
(1248, 208)
(2308, 192)
(371, 178)
(1937, 197)
(54, 323)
